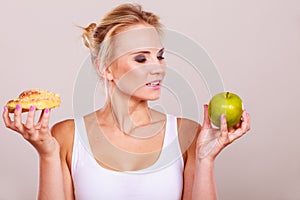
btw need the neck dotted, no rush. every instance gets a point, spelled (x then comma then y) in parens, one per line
(127, 113)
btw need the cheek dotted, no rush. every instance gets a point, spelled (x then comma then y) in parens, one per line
(130, 81)
(121, 67)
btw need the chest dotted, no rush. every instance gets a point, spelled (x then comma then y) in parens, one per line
(112, 149)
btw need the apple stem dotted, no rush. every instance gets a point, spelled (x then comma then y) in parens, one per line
(227, 94)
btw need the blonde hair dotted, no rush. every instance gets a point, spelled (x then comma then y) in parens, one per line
(113, 22)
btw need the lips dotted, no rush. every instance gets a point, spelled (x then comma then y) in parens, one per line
(153, 83)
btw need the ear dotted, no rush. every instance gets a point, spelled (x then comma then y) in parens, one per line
(107, 74)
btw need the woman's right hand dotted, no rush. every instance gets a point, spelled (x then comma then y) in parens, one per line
(38, 134)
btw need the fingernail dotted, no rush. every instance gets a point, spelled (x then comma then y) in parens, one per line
(18, 106)
(47, 110)
(31, 108)
(4, 108)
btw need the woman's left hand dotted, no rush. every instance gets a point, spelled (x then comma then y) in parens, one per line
(212, 141)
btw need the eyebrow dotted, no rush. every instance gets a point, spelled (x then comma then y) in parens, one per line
(147, 52)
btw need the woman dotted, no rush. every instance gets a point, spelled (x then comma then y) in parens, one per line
(126, 156)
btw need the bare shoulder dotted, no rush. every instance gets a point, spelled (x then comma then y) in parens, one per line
(63, 129)
(188, 125)
(188, 131)
(64, 133)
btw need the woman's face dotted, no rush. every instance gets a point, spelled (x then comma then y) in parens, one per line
(139, 71)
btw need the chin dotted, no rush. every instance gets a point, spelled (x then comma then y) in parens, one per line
(153, 97)
(148, 98)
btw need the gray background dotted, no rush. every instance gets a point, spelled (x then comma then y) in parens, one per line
(254, 44)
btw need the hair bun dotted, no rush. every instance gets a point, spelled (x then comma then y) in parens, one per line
(87, 35)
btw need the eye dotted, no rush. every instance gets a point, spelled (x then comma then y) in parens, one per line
(160, 55)
(140, 58)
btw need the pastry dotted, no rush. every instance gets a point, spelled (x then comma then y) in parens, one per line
(39, 98)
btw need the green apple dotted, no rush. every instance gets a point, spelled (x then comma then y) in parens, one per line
(225, 103)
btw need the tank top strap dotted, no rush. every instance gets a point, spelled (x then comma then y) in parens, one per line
(81, 134)
(171, 151)
(171, 130)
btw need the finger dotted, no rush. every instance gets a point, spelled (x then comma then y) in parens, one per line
(6, 118)
(40, 119)
(18, 118)
(44, 122)
(245, 126)
(224, 130)
(223, 123)
(30, 118)
(206, 119)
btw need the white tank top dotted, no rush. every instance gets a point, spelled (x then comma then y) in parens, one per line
(162, 181)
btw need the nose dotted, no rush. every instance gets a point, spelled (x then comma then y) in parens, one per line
(157, 69)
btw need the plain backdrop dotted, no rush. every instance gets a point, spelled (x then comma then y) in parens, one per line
(255, 46)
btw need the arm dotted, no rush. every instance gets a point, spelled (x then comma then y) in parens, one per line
(64, 134)
(199, 180)
(198, 175)
(199, 169)
(204, 186)
(51, 179)
(51, 185)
